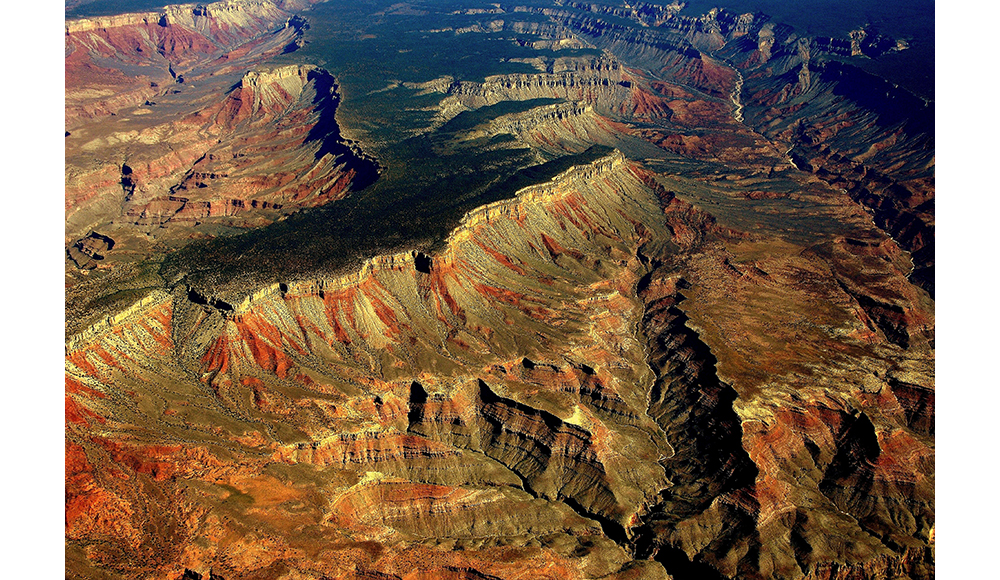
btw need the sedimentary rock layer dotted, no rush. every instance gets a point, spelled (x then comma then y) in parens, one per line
(120, 61)
(210, 142)
(721, 368)
(320, 374)
(855, 131)
(541, 385)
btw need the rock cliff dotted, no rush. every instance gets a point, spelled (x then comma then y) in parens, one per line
(851, 129)
(270, 145)
(114, 62)
(549, 381)
(717, 362)
(162, 145)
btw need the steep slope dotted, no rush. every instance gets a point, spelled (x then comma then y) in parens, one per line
(716, 363)
(120, 61)
(802, 95)
(604, 102)
(175, 131)
(270, 143)
(537, 386)
(355, 376)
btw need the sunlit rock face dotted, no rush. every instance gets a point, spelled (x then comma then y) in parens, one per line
(172, 124)
(539, 377)
(707, 354)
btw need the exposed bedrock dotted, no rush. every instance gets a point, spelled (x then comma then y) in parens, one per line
(874, 275)
(178, 132)
(555, 459)
(692, 406)
(599, 93)
(445, 400)
(413, 388)
(855, 131)
(851, 129)
(605, 102)
(694, 409)
(87, 252)
(862, 143)
(596, 379)
(120, 61)
(679, 53)
(268, 146)
(770, 481)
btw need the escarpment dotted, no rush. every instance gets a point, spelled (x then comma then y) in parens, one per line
(590, 81)
(854, 131)
(268, 146)
(857, 132)
(545, 375)
(176, 131)
(603, 83)
(708, 354)
(121, 61)
(784, 424)
(301, 371)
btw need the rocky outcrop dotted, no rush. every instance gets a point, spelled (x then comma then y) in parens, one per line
(720, 369)
(602, 83)
(853, 130)
(405, 314)
(87, 252)
(555, 372)
(114, 62)
(572, 79)
(175, 131)
(269, 146)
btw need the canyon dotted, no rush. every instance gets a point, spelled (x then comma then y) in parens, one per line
(640, 295)
(175, 130)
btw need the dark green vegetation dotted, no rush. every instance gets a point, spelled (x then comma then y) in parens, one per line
(427, 182)
(469, 119)
(704, 354)
(378, 51)
(411, 206)
(383, 55)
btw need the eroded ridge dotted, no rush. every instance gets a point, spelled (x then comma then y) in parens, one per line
(177, 131)
(120, 61)
(559, 379)
(804, 95)
(413, 385)
(777, 438)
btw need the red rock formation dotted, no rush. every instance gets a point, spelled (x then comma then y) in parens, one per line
(410, 397)
(162, 45)
(269, 146)
(267, 346)
(598, 379)
(160, 144)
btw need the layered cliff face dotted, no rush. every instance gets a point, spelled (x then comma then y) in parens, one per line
(851, 129)
(120, 61)
(207, 143)
(266, 147)
(586, 100)
(603, 101)
(714, 363)
(777, 484)
(408, 385)
(600, 81)
(541, 385)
